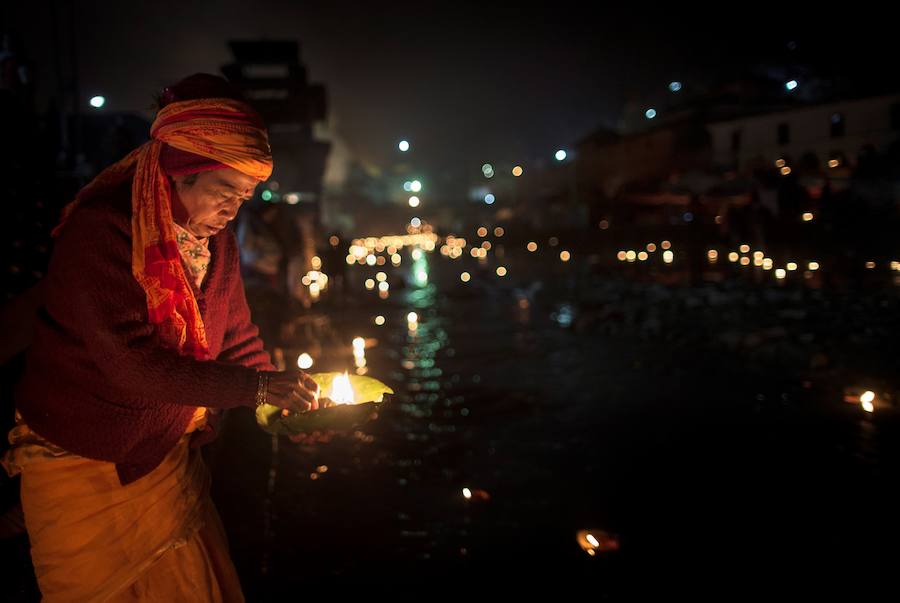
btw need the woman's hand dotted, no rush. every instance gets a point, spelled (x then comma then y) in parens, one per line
(293, 390)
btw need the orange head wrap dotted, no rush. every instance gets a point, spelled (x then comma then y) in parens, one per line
(223, 130)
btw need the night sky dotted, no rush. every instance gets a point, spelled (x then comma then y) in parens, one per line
(464, 83)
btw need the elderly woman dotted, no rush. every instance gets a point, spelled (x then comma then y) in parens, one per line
(144, 338)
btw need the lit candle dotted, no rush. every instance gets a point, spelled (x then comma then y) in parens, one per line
(341, 390)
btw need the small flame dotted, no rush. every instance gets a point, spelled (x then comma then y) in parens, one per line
(341, 390)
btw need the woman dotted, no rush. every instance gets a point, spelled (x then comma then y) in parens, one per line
(144, 338)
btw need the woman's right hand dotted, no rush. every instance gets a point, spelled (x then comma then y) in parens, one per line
(293, 390)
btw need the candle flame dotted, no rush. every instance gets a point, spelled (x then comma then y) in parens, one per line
(341, 390)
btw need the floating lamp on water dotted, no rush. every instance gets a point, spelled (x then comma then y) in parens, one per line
(866, 398)
(476, 495)
(597, 541)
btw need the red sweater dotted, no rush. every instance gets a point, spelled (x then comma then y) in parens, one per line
(97, 381)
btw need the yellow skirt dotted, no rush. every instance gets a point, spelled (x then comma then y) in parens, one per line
(92, 539)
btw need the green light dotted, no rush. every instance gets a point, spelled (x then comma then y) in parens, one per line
(420, 268)
(266, 195)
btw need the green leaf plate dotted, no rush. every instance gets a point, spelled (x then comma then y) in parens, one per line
(369, 394)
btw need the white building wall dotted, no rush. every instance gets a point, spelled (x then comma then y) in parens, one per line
(866, 121)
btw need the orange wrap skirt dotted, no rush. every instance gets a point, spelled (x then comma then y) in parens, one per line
(92, 539)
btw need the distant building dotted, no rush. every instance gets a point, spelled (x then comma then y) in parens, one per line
(273, 80)
(271, 77)
(831, 134)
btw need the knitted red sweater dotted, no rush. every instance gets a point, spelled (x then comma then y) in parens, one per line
(97, 381)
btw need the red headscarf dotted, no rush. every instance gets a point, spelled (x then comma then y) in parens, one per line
(187, 137)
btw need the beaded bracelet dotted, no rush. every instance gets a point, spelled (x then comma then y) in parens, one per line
(262, 388)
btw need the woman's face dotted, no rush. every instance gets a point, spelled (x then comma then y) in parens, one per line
(208, 201)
